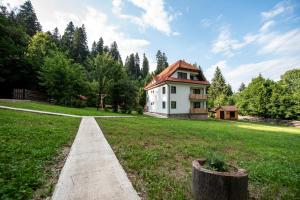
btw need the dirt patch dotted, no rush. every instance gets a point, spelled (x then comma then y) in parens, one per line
(138, 184)
(53, 170)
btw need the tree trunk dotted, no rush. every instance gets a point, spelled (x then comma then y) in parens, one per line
(212, 185)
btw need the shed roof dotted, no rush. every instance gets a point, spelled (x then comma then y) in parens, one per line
(225, 108)
(166, 74)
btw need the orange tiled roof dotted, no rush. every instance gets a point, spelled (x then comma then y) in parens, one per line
(225, 108)
(166, 74)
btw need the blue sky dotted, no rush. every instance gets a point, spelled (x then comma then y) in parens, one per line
(243, 38)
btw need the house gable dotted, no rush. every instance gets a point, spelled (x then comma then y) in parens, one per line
(170, 74)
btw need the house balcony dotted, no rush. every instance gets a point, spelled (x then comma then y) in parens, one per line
(198, 110)
(195, 97)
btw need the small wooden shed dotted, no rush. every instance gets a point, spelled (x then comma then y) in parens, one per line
(226, 112)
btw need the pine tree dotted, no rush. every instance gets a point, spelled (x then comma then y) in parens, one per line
(165, 60)
(137, 66)
(114, 52)
(130, 66)
(67, 38)
(161, 61)
(145, 67)
(242, 87)
(28, 19)
(56, 37)
(105, 49)
(80, 47)
(218, 86)
(99, 46)
(93, 51)
(228, 90)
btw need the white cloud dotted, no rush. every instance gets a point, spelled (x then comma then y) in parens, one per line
(287, 43)
(11, 4)
(205, 23)
(278, 9)
(225, 44)
(154, 14)
(266, 26)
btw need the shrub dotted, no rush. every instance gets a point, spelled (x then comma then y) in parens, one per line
(140, 110)
(216, 163)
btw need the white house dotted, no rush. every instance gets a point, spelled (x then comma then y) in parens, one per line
(178, 91)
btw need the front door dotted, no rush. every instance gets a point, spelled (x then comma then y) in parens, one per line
(222, 114)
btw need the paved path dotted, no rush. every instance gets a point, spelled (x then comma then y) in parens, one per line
(92, 170)
(61, 114)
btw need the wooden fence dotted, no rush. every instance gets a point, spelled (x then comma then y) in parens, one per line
(29, 95)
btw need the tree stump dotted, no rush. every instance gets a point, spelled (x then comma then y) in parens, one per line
(213, 185)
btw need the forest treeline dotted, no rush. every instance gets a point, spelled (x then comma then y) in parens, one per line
(262, 97)
(63, 67)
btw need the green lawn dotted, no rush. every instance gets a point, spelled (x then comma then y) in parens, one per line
(55, 108)
(157, 154)
(31, 145)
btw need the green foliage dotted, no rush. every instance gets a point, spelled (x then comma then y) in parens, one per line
(14, 68)
(145, 67)
(27, 18)
(67, 38)
(39, 47)
(80, 50)
(140, 110)
(114, 52)
(267, 98)
(64, 81)
(219, 92)
(123, 93)
(106, 71)
(215, 162)
(132, 66)
(161, 61)
(242, 87)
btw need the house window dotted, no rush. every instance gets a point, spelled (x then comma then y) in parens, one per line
(196, 91)
(164, 90)
(173, 104)
(173, 89)
(182, 75)
(197, 104)
(232, 114)
(163, 104)
(193, 77)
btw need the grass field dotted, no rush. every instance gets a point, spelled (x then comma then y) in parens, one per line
(30, 146)
(157, 154)
(54, 108)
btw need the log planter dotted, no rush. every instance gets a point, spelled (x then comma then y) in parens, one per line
(214, 185)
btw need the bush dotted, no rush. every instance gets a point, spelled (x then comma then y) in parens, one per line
(140, 110)
(216, 163)
(78, 103)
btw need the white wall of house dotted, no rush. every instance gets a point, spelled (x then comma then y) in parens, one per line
(182, 99)
(155, 99)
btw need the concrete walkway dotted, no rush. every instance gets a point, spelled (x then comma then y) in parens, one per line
(61, 114)
(92, 170)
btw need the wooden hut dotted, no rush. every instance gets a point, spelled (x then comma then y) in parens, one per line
(226, 112)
